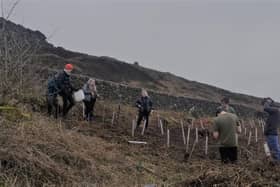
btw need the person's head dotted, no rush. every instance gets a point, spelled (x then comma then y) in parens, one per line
(267, 100)
(220, 110)
(144, 93)
(91, 82)
(68, 68)
(225, 101)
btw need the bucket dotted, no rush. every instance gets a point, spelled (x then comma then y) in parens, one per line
(79, 95)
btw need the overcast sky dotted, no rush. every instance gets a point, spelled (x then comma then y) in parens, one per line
(233, 44)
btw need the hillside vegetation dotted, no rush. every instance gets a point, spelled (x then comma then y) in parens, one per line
(110, 69)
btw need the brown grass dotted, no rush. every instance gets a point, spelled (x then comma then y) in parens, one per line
(42, 151)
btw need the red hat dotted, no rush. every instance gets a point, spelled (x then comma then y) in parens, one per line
(68, 67)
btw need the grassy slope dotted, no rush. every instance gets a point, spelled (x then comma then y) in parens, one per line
(72, 152)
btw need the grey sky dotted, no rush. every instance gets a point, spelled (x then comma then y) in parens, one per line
(233, 44)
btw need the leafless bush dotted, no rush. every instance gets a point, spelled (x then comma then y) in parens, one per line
(16, 55)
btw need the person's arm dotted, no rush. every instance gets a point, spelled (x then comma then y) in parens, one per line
(216, 134)
(216, 130)
(238, 129)
(138, 104)
(238, 125)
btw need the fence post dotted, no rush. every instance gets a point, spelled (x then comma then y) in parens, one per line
(133, 127)
(144, 127)
(161, 127)
(168, 138)
(256, 134)
(206, 144)
(249, 139)
(183, 133)
(196, 134)
(113, 118)
(188, 138)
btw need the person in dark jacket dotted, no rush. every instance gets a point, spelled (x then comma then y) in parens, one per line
(271, 127)
(65, 88)
(91, 95)
(144, 104)
(60, 85)
(52, 101)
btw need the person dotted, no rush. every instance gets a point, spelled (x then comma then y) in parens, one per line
(144, 105)
(91, 95)
(271, 127)
(226, 127)
(52, 100)
(60, 85)
(225, 103)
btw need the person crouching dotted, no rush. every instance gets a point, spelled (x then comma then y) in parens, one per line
(91, 95)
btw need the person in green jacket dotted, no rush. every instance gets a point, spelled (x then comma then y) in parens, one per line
(226, 127)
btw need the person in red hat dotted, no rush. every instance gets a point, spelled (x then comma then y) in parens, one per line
(61, 85)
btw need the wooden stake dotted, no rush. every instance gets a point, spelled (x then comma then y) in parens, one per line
(113, 118)
(245, 131)
(256, 134)
(161, 127)
(183, 133)
(83, 110)
(249, 139)
(103, 117)
(158, 120)
(201, 124)
(168, 138)
(188, 139)
(144, 127)
(196, 134)
(133, 127)
(262, 124)
(206, 145)
(192, 123)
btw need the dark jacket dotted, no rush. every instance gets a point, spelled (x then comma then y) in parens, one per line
(144, 104)
(63, 84)
(273, 120)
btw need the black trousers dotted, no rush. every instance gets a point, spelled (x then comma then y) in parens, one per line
(228, 154)
(52, 104)
(68, 103)
(89, 107)
(141, 116)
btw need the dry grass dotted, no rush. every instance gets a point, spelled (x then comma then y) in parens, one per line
(42, 151)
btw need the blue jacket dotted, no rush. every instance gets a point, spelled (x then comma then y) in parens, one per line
(273, 120)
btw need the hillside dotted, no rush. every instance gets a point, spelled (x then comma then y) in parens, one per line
(37, 150)
(107, 68)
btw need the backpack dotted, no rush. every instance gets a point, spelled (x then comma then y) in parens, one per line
(146, 104)
(52, 85)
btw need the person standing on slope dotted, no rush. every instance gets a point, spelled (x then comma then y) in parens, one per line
(271, 127)
(225, 103)
(225, 128)
(91, 95)
(65, 88)
(145, 106)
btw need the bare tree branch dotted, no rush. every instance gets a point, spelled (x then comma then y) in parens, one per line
(12, 9)
(2, 9)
